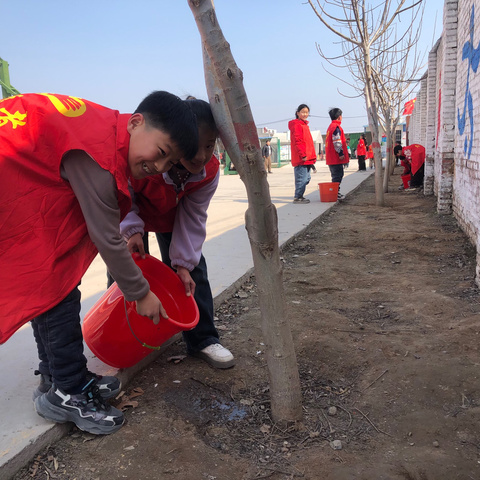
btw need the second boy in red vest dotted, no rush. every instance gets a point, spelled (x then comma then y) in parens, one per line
(174, 206)
(336, 152)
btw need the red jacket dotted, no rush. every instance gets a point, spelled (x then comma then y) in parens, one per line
(416, 154)
(301, 143)
(370, 152)
(157, 201)
(45, 248)
(331, 155)
(361, 150)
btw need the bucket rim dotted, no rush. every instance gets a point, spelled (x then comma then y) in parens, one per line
(181, 326)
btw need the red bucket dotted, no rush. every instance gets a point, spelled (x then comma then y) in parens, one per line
(119, 336)
(328, 191)
(406, 180)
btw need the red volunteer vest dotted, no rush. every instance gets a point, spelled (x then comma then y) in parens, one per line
(361, 150)
(44, 244)
(157, 201)
(416, 154)
(301, 143)
(331, 155)
(370, 152)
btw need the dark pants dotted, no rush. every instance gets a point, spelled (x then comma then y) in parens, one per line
(205, 333)
(60, 344)
(417, 179)
(361, 162)
(337, 173)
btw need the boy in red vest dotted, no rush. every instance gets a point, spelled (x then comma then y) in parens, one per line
(65, 164)
(174, 206)
(336, 151)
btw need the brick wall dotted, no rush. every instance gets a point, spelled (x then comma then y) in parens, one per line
(446, 118)
(431, 121)
(466, 184)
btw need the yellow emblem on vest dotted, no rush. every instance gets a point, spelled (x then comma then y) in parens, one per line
(16, 118)
(69, 107)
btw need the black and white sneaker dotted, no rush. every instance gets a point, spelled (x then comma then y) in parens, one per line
(108, 387)
(87, 410)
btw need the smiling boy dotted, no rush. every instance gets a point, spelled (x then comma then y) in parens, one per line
(65, 163)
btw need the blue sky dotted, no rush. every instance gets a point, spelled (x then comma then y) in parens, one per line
(115, 52)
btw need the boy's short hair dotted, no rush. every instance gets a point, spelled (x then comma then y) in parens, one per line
(335, 113)
(168, 113)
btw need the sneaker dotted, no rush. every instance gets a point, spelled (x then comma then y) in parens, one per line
(87, 410)
(108, 387)
(216, 355)
(340, 196)
(301, 200)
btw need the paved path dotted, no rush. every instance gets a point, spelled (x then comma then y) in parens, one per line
(228, 254)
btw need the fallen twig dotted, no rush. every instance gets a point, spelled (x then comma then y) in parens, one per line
(372, 424)
(378, 378)
(349, 414)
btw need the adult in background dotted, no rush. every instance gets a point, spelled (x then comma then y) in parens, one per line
(361, 153)
(303, 152)
(336, 148)
(267, 156)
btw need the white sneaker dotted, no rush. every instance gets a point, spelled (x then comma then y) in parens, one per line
(217, 356)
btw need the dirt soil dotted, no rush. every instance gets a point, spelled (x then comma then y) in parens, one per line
(384, 312)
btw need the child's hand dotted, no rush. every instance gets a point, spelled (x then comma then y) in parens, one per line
(135, 244)
(187, 280)
(151, 307)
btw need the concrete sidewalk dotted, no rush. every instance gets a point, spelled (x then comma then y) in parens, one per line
(229, 259)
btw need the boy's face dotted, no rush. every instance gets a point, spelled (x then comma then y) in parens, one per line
(206, 146)
(151, 151)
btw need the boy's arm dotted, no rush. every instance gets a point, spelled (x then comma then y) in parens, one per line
(132, 223)
(189, 230)
(337, 142)
(96, 192)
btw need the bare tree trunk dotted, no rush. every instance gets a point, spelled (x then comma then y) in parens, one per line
(373, 124)
(389, 163)
(239, 135)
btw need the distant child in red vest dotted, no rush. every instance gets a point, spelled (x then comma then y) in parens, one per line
(303, 152)
(336, 150)
(407, 170)
(65, 166)
(361, 154)
(370, 156)
(415, 154)
(174, 206)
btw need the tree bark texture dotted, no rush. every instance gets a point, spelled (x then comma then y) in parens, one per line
(373, 124)
(238, 132)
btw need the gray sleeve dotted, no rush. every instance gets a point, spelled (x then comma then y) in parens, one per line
(96, 191)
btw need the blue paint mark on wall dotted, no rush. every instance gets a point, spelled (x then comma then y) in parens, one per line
(472, 54)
